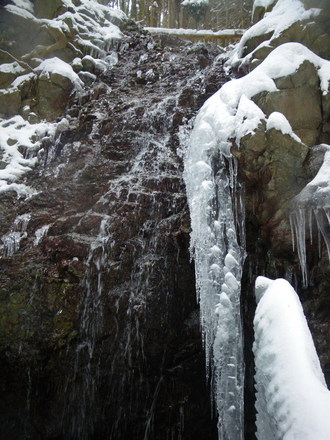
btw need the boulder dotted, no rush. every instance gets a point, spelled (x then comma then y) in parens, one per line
(47, 8)
(10, 102)
(52, 95)
(299, 98)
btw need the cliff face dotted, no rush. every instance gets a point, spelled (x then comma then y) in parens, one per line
(100, 329)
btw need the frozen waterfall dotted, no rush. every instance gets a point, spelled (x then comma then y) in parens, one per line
(217, 246)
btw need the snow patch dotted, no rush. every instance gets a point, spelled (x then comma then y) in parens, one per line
(14, 68)
(279, 122)
(194, 2)
(262, 3)
(20, 142)
(200, 32)
(24, 4)
(22, 12)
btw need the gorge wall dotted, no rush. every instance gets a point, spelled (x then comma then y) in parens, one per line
(100, 334)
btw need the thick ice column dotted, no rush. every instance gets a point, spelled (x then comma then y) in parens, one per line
(210, 177)
(292, 400)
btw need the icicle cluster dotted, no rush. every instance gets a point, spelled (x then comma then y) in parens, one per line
(210, 177)
(312, 207)
(12, 240)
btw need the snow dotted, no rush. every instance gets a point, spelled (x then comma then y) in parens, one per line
(91, 22)
(201, 33)
(230, 113)
(279, 122)
(262, 3)
(194, 2)
(14, 68)
(22, 12)
(16, 135)
(292, 399)
(21, 79)
(24, 4)
(56, 65)
(282, 16)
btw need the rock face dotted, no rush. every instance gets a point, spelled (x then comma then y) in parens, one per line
(100, 329)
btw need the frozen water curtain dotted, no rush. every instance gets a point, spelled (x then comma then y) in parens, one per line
(217, 246)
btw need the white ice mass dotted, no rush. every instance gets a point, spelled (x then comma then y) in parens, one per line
(293, 401)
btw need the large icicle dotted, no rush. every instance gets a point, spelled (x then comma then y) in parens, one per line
(210, 175)
(292, 399)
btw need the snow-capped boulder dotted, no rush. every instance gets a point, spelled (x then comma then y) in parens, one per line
(281, 21)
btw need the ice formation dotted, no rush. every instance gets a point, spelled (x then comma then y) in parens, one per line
(293, 401)
(12, 240)
(217, 245)
(312, 207)
(210, 171)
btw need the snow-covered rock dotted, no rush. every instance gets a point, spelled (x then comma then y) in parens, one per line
(281, 21)
(293, 401)
(38, 70)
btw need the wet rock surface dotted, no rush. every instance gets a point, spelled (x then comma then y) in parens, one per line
(100, 329)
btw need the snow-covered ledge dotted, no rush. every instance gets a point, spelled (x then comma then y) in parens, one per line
(293, 401)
